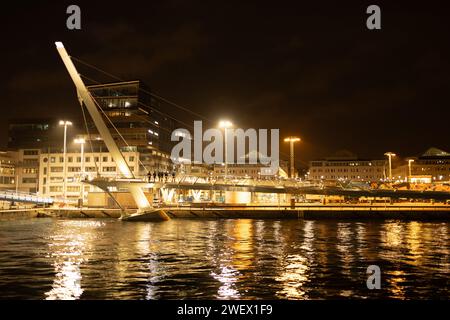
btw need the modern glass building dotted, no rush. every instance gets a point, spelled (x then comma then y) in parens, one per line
(34, 133)
(137, 121)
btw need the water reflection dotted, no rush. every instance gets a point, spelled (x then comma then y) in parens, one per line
(414, 243)
(224, 259)
(150, 265)
(395, 280)
(66, 248)
(344, 246)
(293, 277)
(238, 256)
(242, 246)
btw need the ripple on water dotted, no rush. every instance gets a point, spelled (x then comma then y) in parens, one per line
(221, 259)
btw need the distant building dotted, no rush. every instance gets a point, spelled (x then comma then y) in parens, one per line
(7, 171)
(251, 171)
(51, 172)
(433, 166)
(345, 166)
(27, 169)
(19, 170)
(137, 117)
(35, 134)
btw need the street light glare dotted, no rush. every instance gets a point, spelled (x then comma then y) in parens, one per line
(65, 123)
(80, 141)
(390, 154)
(225, 124)
(293, 139)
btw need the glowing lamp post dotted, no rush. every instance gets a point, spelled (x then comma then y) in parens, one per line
(291, 141)
(225, 124)
(81, 142)
(65, 123)
(390, 155)
(410, 161)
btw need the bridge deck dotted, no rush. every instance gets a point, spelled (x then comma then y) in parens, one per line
(13, 196)
(278, 187)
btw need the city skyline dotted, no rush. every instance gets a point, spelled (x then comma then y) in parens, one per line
(329, 78)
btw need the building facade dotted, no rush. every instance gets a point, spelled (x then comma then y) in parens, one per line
(250, 171)
(347, 168)
(52, 172)
(7, 171)
(27, 169)
(134, 115)
(432, 166)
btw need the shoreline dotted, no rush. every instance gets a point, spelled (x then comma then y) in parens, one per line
(308, 212)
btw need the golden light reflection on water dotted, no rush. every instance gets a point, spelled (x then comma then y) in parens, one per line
(293, 277)
(67, 248)
(239, 256)
(442, 233)
(361, 245)
(413, 242)
(392, 234)
(396, 281)
(344, 245)
(241, 259)
(294, 269)
(308, 240)
(321, 242)
(242, 246)
(147, 250)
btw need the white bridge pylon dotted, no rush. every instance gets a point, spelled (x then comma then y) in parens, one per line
(136, 191)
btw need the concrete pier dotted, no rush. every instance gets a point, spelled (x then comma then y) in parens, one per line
(363, 212)
(430, 213)
(18, 214)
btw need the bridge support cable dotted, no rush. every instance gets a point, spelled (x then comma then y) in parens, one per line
(136, 191)
(143, 90)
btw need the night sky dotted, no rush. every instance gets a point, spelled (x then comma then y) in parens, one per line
(313, 70)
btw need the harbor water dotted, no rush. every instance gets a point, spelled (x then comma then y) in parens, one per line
(222, 259)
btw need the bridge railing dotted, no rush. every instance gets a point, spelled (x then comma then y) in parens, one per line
(20, 196)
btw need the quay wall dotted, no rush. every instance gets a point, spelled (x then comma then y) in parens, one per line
(18, 214)
(309, 214)
(422, 213)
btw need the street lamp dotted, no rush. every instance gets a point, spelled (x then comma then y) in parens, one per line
(390, 155)
(410, 161)
(81, 142)
(225, 124)
(65, 123)
(291, 141)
